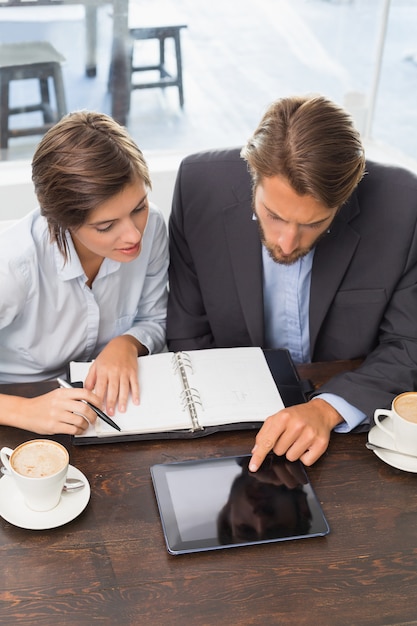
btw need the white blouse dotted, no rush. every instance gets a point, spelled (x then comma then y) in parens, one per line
(48, 316)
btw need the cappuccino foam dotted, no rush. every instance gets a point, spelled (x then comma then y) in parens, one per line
(37, 459)
(406, 406)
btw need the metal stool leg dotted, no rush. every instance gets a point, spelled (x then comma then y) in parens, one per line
(4, 112)
(162, 70)
(61, 105)
(48, 116)
(177, 41)
(91, 40)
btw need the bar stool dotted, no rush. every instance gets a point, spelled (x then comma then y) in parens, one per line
(160, 33)
(30, 60)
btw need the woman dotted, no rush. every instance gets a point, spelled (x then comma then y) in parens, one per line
(84, 277)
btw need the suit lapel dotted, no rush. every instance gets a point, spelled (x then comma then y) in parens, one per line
(246, 261)
(331, 259)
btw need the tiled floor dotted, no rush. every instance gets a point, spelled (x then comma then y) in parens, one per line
(238, 56)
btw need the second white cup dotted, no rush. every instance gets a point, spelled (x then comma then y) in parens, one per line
(400, 422)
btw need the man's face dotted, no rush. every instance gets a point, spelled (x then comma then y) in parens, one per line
(290, 225)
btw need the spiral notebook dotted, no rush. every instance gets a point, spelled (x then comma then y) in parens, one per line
(194, 393)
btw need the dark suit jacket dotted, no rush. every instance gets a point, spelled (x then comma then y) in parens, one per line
(363, 300)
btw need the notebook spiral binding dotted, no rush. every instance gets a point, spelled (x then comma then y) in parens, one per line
(190, 397)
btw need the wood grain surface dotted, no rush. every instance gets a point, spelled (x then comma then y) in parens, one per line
(110, 565)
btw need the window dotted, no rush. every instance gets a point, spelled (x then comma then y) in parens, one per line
(237, 57)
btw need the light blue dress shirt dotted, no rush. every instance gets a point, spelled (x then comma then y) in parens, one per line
(286, 316)
(48, 316)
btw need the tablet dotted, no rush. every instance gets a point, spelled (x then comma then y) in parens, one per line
(218, 503)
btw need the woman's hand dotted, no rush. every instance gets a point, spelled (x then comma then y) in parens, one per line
(114, 373)
(61, 411)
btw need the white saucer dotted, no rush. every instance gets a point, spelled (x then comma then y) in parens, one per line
(395, 459)
(14, 510)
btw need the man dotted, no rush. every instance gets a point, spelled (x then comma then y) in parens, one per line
(296, 243)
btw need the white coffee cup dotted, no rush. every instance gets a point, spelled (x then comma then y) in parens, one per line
(400, 422)
(39, 468)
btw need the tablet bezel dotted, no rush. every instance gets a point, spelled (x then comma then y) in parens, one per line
(167, 507)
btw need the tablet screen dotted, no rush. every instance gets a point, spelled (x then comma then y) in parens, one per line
(217, 503)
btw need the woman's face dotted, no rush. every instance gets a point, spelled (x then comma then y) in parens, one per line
(114, 229)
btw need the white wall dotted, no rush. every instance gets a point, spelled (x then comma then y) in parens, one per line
(17, 196)
(16, 190)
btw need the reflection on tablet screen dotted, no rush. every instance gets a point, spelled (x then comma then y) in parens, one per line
(218, 503)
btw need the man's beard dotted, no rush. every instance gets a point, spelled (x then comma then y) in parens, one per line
(278, 256)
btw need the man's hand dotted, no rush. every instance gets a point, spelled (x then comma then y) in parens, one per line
(298, 432)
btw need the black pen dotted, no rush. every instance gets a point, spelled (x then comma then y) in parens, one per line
(97, 411)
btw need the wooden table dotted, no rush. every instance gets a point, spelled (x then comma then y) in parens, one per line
(110, 565)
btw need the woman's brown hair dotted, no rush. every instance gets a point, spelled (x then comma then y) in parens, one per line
(82, 161)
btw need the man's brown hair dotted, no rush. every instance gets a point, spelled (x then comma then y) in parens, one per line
(312, 143)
